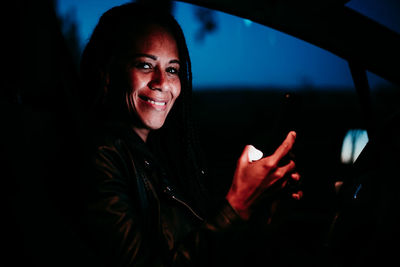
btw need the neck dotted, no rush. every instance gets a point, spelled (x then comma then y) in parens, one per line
(143, 133)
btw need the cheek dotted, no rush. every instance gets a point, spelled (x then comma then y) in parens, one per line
(135, 80)
(177, 89)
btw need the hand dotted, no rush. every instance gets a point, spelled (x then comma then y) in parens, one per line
(253, 178)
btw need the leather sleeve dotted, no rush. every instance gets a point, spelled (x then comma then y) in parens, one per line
(113, 217)
(224, 219)
(121, 230)
(213, 242)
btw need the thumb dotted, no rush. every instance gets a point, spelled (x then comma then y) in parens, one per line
(249, 154)
(254, 154)
(244, 158)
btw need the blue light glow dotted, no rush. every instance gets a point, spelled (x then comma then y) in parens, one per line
(353, 144)
(247, 22)
(242, 53)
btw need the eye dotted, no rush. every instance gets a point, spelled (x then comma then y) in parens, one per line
(172, 70)
(144, 66)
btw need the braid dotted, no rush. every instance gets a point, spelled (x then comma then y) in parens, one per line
(194, 159)
(105, 55)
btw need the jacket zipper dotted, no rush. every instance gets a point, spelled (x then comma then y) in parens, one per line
(170, 192)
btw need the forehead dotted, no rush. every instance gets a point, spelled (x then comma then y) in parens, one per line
(155, 37)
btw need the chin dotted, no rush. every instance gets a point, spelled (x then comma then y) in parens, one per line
(154, 125)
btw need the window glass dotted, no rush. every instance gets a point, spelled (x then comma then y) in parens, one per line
(386, 12)
(234, 53)
(353, 143)
(259, 64)
(238, 53)
(84, 14)
(385, 97)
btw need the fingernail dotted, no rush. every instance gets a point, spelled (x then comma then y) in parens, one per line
(254, 154)
(296, 176)
(296, 196)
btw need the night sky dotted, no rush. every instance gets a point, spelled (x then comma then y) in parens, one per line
(242, 54)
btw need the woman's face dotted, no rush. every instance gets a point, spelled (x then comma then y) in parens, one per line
(154, 78)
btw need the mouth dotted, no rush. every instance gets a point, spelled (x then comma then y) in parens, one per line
(153, 101)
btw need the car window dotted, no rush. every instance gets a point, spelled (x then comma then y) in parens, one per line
(234, 53)
(238, 53)
(385, 12)
(252, 84)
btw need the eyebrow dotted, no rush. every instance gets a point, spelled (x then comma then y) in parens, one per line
(155, 58)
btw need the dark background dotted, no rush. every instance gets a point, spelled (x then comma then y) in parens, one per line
(40, 122)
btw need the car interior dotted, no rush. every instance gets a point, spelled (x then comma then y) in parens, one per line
(348, 213)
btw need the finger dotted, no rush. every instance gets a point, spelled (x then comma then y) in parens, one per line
(244, 158)
(254, 154)
(297, 195)
(295, 176)
(284, 183)
(280, 172)
(284, 148)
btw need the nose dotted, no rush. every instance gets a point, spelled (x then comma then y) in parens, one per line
(158, 80)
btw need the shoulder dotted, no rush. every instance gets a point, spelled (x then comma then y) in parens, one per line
(112, 140)
(110, 151)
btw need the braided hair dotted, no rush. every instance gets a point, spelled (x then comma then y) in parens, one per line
(102, 68)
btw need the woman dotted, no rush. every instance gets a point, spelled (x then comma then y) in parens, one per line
(145, 202)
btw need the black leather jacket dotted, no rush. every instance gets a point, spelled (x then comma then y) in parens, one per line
(135, 217)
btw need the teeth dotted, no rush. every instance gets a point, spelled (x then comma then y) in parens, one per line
(156, 103)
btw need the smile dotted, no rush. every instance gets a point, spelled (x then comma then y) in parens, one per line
(156, 103)
(152, 101)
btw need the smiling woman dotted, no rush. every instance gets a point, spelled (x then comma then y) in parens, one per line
(153, 79)
(143, 198)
